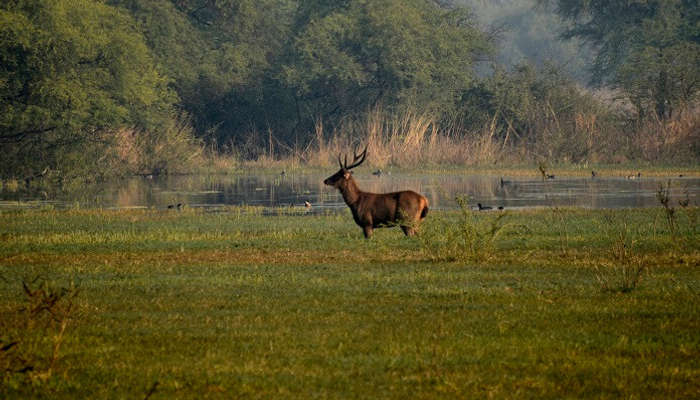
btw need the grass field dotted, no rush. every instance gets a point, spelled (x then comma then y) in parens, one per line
(557, 303)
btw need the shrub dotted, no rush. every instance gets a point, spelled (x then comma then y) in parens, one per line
(622, 270)
(467, 236)
(32, 334)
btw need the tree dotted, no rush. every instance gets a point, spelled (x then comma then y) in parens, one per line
(219, 55)
(389, 52)
(71, 70)
(241, 66)
(650, 49)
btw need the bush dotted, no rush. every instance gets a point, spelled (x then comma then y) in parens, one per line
(470, 237)
(173, 149)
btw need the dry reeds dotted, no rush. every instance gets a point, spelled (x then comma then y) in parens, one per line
(404, 140)
(410, 138)
(172, 149)
(675, 138)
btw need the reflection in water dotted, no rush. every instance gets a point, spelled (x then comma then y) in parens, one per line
(296, 189)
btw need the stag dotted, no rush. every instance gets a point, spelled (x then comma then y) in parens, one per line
(375, 210)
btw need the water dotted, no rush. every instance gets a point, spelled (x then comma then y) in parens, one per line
(293, 190)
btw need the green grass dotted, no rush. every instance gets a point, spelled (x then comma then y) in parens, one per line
(237, 304)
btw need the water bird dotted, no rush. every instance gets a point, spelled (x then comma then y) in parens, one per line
(283, 173)
(544, 173)
(307, 204)
(639, 175)
(482, 207)
(503, 182)
(593, 174)
(41, 174)
(377, 172)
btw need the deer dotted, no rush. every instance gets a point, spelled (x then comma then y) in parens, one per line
(375, 210)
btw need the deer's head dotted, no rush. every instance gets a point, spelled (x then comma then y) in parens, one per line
(341, 178)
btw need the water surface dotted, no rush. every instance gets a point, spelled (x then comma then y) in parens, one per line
(294, 189)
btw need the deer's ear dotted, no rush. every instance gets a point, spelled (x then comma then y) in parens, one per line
(347, 174)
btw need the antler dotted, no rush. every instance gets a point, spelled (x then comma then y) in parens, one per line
(361, 157)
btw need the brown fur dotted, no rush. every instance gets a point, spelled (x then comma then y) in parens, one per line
(375, 210)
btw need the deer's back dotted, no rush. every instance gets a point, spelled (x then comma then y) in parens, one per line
(388, 207)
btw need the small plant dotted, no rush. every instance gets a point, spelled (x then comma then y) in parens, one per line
(690, 212)
(682, 223)
(33, 333)
(472, 237)
(11, 185)
(664, 197)
(622, 270)
(559, 218)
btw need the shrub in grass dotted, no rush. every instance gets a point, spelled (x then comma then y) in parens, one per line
(622, 268)
(681, 223)
(32, 333)
(466, 236)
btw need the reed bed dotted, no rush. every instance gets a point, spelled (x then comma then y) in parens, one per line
(413, 139)
(405, 140)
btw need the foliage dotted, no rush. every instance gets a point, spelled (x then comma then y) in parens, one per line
(472, 238)
(543, 113)
(649, 49)
(30, 345)
(681, 222)
(623, 268)
(83, 80)
(386, 52)
(220, 56)
(70, 71)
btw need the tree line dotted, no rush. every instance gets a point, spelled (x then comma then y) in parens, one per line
(87, 83)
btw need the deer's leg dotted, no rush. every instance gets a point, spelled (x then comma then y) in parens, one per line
(367, 229)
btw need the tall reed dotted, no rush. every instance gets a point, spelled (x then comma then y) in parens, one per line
(406, 139)
(548, 133)
(171, 149)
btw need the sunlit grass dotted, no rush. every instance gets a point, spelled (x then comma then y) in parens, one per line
(268, 303)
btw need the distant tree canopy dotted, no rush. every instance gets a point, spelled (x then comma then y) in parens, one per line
(241, 65)
(79, 74)
(648, 48)
(387, 52)
(220, 56)
(70, 69)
